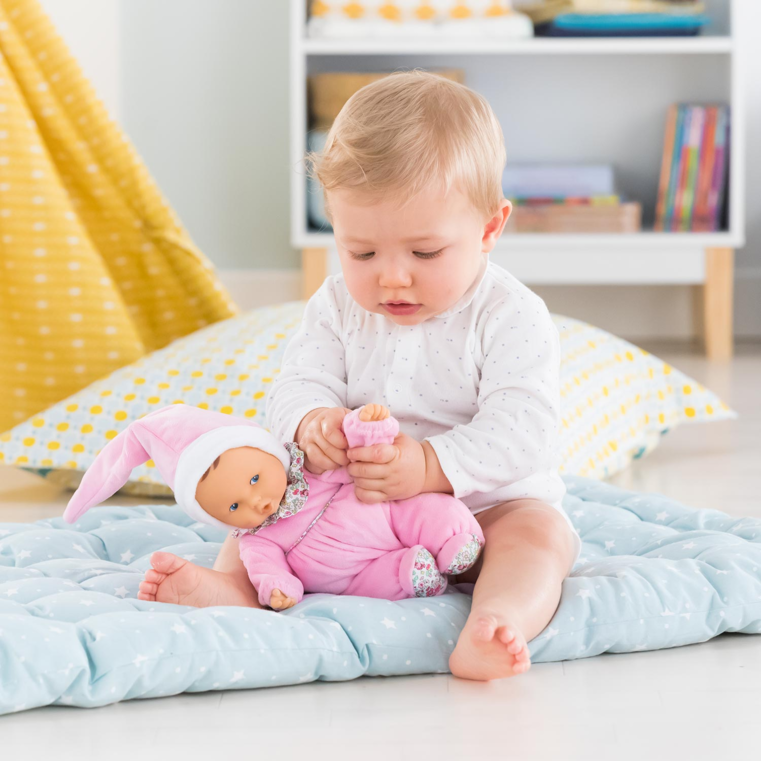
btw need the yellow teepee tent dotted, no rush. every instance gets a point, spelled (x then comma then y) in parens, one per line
(95, 269)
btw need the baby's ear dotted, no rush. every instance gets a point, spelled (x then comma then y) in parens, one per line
(496, 225)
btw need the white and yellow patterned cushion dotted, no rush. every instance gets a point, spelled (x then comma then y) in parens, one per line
(617, 400)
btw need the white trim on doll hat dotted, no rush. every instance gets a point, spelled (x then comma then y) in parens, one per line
(198, 456)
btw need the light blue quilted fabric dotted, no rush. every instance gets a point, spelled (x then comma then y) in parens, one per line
(653, 574)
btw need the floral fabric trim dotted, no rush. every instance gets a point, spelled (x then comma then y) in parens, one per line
(465, 558)
(426, 579)
(296, 492)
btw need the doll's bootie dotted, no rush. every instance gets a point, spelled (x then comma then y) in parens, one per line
(419, 575)
(458, 554)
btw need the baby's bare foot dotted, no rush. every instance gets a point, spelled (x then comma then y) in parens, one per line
(489, 648)
(371, 412)
(180, 582)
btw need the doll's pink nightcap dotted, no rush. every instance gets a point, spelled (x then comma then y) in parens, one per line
(182, 441)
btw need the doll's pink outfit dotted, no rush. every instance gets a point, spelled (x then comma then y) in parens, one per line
(334, 543)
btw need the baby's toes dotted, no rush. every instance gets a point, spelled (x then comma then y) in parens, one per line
(147, 591)
(521, 653)
(515, 647)
(486, 628)
(154, 576)
(521, 667)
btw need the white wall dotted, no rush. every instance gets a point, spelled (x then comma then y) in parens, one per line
(203, 95)
(205, 99)
(91, 30)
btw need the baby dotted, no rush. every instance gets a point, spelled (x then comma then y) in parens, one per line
(465, 356)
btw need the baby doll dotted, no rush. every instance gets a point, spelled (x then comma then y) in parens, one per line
(298, 531)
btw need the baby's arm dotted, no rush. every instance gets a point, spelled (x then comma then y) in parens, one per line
(513, 436)
(270, 573)
(313, 372)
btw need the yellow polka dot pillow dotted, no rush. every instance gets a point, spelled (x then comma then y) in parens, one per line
(617, 400)
(226, 367)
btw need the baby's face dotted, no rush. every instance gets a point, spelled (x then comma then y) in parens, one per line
(244, 489)
(427, 253)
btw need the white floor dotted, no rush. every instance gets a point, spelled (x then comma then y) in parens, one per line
(698, 702)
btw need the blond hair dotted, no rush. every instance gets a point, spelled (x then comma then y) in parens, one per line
(398, 135)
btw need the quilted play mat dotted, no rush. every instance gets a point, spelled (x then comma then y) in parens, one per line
(653, 574)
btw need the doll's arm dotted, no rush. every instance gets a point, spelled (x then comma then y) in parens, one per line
(269, 571)
(363, 427)
(370, 424)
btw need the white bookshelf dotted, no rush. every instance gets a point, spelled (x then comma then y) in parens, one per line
(613, 94)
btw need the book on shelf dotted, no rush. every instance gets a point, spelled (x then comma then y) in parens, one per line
(692, 190)
(567, 198)
(557, 180)
(615, 18)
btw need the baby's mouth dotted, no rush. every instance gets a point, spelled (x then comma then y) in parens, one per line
(400, 307)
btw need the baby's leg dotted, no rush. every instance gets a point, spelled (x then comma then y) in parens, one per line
(529, 551)
(398, 575)
(176, 580)
(443, 525)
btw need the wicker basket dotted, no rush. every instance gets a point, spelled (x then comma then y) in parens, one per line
(329, 92)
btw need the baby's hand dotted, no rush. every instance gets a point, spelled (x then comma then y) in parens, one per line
(320, 438)
(279, 601)
(384, 472)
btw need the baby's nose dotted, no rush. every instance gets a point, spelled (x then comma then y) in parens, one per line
(395, 278)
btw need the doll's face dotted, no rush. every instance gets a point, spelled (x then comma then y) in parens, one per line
(243, 487)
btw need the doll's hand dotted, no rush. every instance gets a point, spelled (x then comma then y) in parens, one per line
(320, 438)
(279, 601)
(383, 472)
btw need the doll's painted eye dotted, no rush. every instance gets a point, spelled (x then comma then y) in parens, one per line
(254, 480)
(233, 507)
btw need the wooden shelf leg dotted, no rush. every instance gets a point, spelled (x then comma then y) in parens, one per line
(314, 270)
(718, 303)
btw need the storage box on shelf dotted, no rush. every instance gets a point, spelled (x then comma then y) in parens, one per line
(559, 120)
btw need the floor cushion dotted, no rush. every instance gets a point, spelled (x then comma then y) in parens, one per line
(653, 574)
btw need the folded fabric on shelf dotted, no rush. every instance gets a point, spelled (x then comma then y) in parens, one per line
(417, 18)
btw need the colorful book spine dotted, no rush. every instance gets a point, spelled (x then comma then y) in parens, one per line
(700, 221)
(716, 195)
(668, 153)
(693, 162)
(684, 151)
(692, 187)
(675, 163)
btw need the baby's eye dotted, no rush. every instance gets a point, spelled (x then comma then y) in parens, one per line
(254, 480)
(428, 255)
(362, 257)
(233, 507)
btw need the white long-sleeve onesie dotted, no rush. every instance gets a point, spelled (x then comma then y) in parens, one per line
(480, 382)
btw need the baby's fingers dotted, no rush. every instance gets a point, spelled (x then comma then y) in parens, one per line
(334, 445)
(369, 496)
(315, 460)
(379, 453)
(330, 427)
(318, 460)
